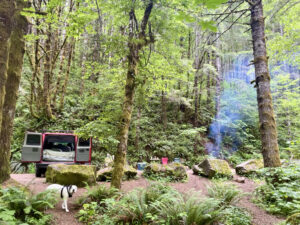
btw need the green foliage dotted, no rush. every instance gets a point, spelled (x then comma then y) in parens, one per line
(161, 204)
(98, 194)
(235, 216)
(18, 207)
(228, 194)
(280, 194)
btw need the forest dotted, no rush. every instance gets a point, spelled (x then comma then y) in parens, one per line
(191, 109)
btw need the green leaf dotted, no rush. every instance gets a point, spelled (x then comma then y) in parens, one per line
(210, 4)
(208, 25)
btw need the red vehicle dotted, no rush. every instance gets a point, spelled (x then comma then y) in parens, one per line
(49, 148)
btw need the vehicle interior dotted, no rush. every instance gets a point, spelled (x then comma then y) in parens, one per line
(58, 148)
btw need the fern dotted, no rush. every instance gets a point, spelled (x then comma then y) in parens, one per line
(18, 207)
(226, 193)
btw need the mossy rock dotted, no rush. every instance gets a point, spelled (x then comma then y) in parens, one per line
(197, 170)
(106, 173)
(249, 167)
(215, 168)
(71, 174)
(173, 171)
(293, 219)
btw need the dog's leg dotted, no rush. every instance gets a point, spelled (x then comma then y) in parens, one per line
(66, 205)
(63, 205)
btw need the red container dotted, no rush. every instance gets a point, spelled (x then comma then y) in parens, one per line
(164, 161)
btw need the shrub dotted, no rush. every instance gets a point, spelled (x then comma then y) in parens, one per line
(17, 206)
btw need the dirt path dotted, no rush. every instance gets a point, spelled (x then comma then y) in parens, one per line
(196, 183)
(259, 216)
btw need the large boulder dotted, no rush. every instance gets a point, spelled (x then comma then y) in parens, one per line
(249, 167)
(106, 173)
(71, 174)
(172, 171)
(215, 168)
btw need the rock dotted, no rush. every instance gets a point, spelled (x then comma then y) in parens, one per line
(71, 174)
(240, 179)
(106, 173)
(215, 167)
(249, 167)
(197, 170)
(174, 171)
(293, 219)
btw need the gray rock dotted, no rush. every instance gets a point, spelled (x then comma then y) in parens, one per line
(249, 167)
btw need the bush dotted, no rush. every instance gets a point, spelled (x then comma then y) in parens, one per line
(281, 193)
(17, 206)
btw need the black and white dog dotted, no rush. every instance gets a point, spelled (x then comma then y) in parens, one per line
(65, 192)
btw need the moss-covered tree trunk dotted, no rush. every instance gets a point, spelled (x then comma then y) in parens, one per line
(16, 53)
(197, 75)
(132, 71)
(66, 81)
(7, 8)
(47, 112)
(267, 122)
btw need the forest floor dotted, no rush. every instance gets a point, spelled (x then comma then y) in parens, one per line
(194, 183)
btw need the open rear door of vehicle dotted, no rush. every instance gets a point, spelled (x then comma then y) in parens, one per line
(83, 150)
(31, 151)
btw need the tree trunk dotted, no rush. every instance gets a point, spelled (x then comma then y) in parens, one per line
(217, 62)
(133, 60)
(267, 122)
(138, 131)
(120, 156)
(196, 98)
(65, 84)
(164, 110)
(47, 77)
(59, 76)
(196, 79)
(16, 53)
(7, 8)
(35, 93)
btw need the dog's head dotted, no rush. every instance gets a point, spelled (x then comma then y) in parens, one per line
(73, 189)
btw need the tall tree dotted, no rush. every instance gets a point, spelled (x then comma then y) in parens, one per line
(267, 122)
(133, 59)
(7, 8)
(15, 62)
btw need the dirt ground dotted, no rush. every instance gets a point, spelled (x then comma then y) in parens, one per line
(194, 183)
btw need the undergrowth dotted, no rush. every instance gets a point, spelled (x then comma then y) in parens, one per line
(162, 204)
(281, 193)
(19, 207)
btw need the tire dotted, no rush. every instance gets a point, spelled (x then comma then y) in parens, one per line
(38, 172)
